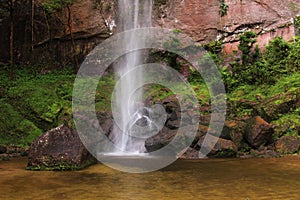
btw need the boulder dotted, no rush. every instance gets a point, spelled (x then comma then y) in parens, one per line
(221, 149)
(258, 132)
(158, 141)
(228, 128)
(59, 149)
(288, 144)
(106, 122)
(263, 153)
(233, 130)
(270, 109)
(176, 119)
(189, 153)
(202, 130)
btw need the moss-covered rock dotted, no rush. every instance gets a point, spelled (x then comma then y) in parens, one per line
(287, 125)
(272, 108)
(59, 149)
(288, 144)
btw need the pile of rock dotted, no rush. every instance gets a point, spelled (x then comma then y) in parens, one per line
(242, 137)
(10, 151)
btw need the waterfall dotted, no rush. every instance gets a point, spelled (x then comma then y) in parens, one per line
(128, 102)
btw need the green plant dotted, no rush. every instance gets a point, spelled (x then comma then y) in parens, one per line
(160, 2)
(107, 7)
(252, 69)
(229, 81)
(297, 22)
(214, 47)
(223, 8)
(293, 59)
(55, 5)
(247, 40)
(275, 56)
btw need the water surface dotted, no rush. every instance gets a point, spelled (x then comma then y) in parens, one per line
(216, 179)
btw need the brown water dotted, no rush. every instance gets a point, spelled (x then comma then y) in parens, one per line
(240, 179)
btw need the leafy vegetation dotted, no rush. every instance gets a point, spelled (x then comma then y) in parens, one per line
(159, 2)
(35, 102)
(254, 68)
(223, 8)
(56, 5)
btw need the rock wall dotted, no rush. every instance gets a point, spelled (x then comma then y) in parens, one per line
(95, 20)
(198, 19)
(202, 21)
(90, 22)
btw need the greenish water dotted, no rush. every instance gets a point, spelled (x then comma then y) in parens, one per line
(217, 179)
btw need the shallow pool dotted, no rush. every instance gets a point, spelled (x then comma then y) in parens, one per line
(216, 179)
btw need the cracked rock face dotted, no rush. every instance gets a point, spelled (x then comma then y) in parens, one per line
(201, 19)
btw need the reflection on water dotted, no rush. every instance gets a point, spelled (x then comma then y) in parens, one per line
(204, 179)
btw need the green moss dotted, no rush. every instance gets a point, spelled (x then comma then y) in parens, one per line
(14, 129)
(251, 92)
(34, 103)
(42, 100)
(287, 124)
(60, 167)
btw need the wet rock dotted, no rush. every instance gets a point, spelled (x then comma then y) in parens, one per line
(189, 153)
(173, 124)
(265, 153)
(202, 130)
(105, 121)
(158, 141)
(221, 149)
(2, 149)
(5, 157)
(238, 139)
(204, 119)
(16, 151)
(270, 109)
(288, 144)
(233, 130)
(59, 149)
(228, 129)
(258, 132)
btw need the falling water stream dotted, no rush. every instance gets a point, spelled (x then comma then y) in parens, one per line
(133, 14)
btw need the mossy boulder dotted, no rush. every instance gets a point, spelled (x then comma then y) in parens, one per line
(274, 107)
(288, 144)
(288, 124)
(59, 149)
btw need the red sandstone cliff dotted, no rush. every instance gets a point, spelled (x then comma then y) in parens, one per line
(200, 19)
